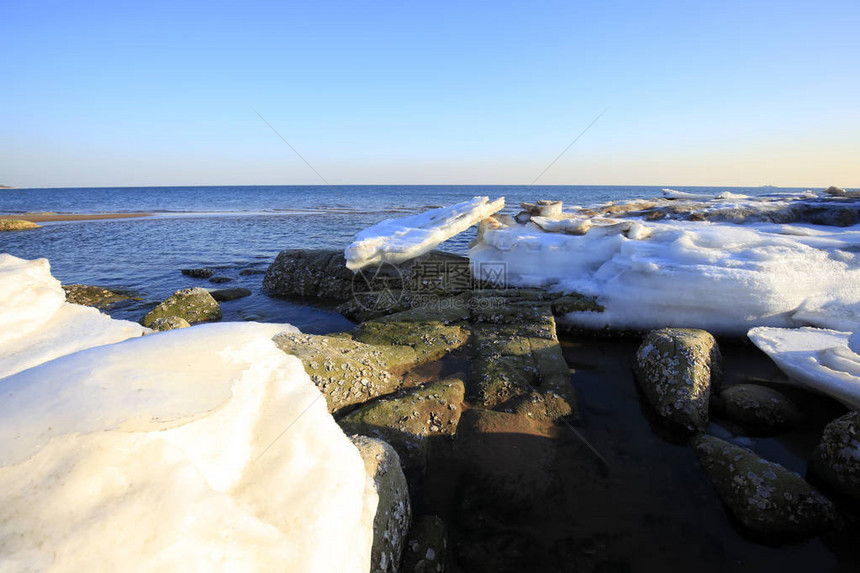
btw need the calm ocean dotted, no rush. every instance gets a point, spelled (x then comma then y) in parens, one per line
(236, 229)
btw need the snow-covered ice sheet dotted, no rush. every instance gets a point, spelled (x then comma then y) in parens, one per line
(36, 322)
(719, 276)
(819, 359)
(398, 240)
(201, 449)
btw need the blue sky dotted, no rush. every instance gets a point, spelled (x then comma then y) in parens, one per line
(698, 93)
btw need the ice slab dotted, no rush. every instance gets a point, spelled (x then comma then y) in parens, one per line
(201, 449)
(399, 240)
(720, 276)
(818, 359)
(36, 322)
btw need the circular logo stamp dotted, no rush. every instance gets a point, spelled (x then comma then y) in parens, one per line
(378, 289)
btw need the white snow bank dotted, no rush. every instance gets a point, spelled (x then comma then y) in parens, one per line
(36, 322)
(818, 359)
(722, 277)
(398, 240)
(202, 449)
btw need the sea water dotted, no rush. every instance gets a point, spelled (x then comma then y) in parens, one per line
(239, 231)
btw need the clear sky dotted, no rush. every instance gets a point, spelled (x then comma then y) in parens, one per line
(164, 93)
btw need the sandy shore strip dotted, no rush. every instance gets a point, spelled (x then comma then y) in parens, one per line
(51, 217)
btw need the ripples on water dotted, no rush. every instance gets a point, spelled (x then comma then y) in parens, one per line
(236, 229)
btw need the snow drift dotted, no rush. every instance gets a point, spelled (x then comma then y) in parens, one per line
(201, 449)
(719, 276)
(36, 322)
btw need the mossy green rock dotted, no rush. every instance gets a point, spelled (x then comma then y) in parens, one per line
(393, 512)
(759, 410)
(836, 460)
(192, 304)
(95, 296)
(521, 367)
(766, 498)
(345, 371)
(17, 225)
(676, 368)
(426, 546)
(406, 419)
(430, 340)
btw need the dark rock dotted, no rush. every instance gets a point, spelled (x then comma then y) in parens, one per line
(758, 409)
(836, 460)
(226, 294)
(192, 304)
(406, 419)
(575, 302)
(394, 511)
(309, 273)
(676, 369)
(95, 296)
(426, 546)
(248, 272)
(204, 273)
(767, 499)
(168, 323)
(835, 191)
(220, 280)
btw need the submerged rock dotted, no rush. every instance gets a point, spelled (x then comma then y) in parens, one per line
(226, 294)
(758, 409)
(507, 457)
(17, 225)
(220, 280)
(676, 369)
(407, 419)
(169, 323)
(345, 371)
(203, 273)
(766, 498)
(394, 511)
(426, 546)
(192, 304)
(95, 296)
(836, 460)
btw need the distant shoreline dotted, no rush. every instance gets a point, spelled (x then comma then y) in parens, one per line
(52, 217)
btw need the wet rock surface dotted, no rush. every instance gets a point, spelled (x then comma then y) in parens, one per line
(836, 460)
(191, 304)
(766, 498)
(676, 369)
(394, 511)
(759, 410)
(226, 294)
(199, 273)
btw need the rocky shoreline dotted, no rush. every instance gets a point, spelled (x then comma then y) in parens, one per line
(469, 384)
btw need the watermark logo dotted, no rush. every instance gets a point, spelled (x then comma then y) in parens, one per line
(432, 284)
(378, 289)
